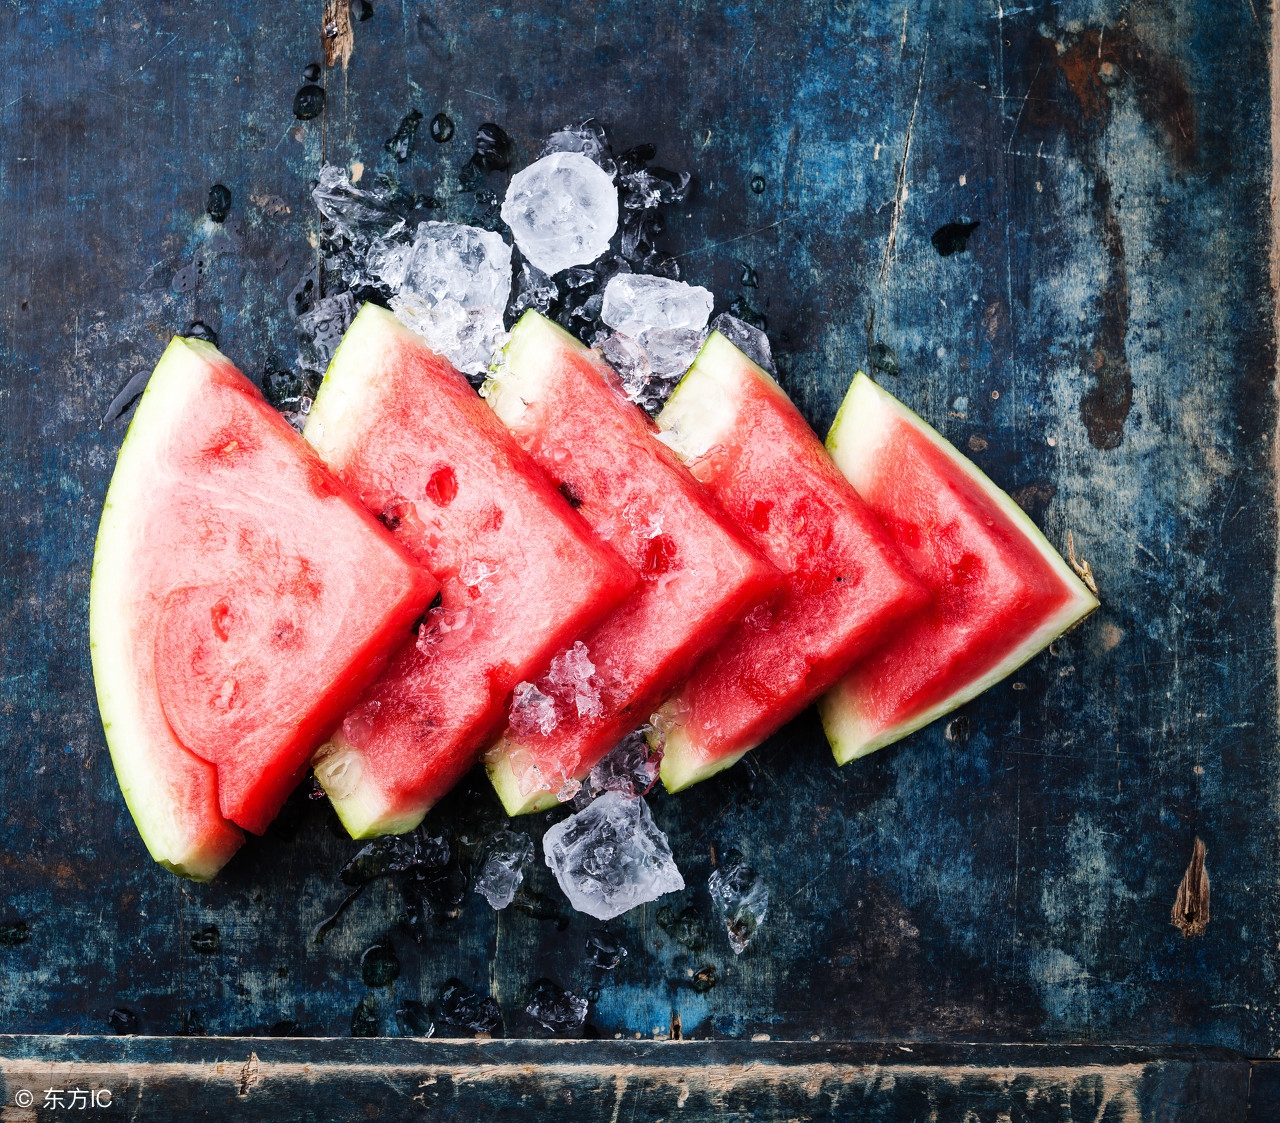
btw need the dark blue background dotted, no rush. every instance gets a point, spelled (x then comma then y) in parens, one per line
(1105, 348)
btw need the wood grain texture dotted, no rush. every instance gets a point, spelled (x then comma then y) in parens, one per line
(1105, 345)
(337, 1081)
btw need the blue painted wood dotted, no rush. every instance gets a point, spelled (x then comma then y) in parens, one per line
(1104, 347)
(338, 1080)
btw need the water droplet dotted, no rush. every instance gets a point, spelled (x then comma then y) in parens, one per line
(123, 1022)
(207, 941)
(362, 10)
(704, 978)
(758, 184)
(308, 102)
(493, 147)
(364, 1019)
(198, 329)
(442, 128)
(218, 203)
(883, 358)
(11, 935)
(311, 73)
(750, 278)
(379, 966)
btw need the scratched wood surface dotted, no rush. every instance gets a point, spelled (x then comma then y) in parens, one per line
(1103, 347)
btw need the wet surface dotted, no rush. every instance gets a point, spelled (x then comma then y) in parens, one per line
(1108, 333)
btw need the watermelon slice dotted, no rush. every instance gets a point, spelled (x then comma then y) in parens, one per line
(1000, 592)
(699, 574)
(740, 435)
(241, 598)
(521, 574)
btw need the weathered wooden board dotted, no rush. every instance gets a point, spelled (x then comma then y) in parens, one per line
(337, 1080)
(1105, 347)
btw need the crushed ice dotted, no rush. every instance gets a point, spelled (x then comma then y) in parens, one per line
(570, 679)
(610, 857)
(630, 768)
(741, 899)
(504, 856)
(559, 1010)
(532, 711)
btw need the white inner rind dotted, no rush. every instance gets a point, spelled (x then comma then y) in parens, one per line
(859, 432)
(138, 760)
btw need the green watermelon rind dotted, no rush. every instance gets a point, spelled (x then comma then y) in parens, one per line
(503, 778)
(700, 411)
(162, 406)
(851, 441)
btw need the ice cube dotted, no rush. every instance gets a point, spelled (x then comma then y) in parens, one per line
(562, 210)
(531, 711)
(671, 351)
(502, 873)
(741, 898)
(604, 951)
(655, 302)
(610, 857)
(569, 679)
(586, 138)
(750, 340)
(556, 1008)
(463, 263)
(631, 767)
(629, 359)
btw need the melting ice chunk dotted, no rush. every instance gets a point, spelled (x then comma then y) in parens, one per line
(505, 854)
(570, 680)
(751, 341)
(660, 325)
(556, 1008)
(588, 139)
(454, 285)
(631, 767)
(741, 898)
(562, 210)
(444, 629)
(654, 302)
(611, 857)
(532, 711)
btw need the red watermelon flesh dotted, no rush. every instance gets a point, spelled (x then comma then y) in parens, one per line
(698, 573)
(846, 581)
(1000, 592)
(241, 599)
(521, 574)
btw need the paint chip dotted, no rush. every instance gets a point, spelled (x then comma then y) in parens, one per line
(1190, 913)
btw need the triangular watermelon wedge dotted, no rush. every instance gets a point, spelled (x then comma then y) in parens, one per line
(521, 574)
(699, 574)
(1001, 592)
(241, 598)
(846, 583)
